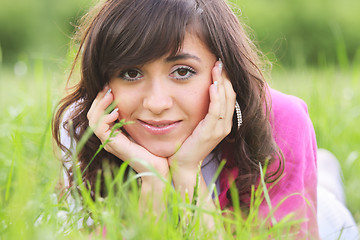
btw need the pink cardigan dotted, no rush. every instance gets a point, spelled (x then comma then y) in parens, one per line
(294, 134)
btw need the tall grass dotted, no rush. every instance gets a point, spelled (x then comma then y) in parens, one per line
(31, 206)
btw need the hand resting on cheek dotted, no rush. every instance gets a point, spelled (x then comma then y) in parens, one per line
(209, 132)
(213, 128)
(120, 145)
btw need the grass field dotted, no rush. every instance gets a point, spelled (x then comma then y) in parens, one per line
(29, 169)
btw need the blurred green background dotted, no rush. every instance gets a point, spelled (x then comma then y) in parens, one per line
(305, 32)
(37, 29)
(291, 32)
(314, 47)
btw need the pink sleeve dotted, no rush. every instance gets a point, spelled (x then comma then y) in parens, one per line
(294, 134)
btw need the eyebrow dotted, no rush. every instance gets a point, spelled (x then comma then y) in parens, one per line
(182, 56)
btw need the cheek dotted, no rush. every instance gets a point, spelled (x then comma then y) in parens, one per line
(199, 102)
(126, 101)
(126, 108)
(204, 102)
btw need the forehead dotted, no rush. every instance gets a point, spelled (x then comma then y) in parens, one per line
(194, 46)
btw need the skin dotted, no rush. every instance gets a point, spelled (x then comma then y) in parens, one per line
(171, 92)
(200, 108)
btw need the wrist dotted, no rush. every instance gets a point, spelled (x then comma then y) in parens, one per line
(151, 195)
(181, 168)
(155, 175)
(154, 182)
(185, 173)
(185, 179)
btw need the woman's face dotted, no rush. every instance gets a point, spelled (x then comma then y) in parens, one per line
(165, 98)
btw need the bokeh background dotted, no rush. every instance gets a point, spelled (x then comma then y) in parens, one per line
(292, 32)
(314, 48)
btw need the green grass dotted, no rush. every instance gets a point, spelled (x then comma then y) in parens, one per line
(30, 207)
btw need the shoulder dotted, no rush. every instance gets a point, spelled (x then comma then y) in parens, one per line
(290, 120)
(293, 130)
(287, 109)
(295, 136)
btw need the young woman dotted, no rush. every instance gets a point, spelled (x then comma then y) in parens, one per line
(189, 79)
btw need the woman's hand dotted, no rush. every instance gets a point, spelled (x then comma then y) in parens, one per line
(140, 159)
(216, 125)
(120, 145)
(213, 128)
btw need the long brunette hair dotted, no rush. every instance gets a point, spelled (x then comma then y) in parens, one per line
(120, 33)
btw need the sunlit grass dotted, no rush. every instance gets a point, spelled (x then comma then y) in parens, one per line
(32, 208)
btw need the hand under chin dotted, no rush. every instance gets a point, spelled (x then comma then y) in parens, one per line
(162, 152)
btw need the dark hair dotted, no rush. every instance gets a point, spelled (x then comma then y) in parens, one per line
(120, 33)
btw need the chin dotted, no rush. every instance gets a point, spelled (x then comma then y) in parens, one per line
(164, 152)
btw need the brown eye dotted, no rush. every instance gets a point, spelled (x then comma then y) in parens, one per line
(132, 73)
(182, 72)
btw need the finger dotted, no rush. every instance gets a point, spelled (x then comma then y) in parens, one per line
(217, 93)
(214, 107)
(218, 75)
(111, 117)
(100, 95)
(97, 109)
(217, 109)
(105, 124)
(105, 91)
(226, 101)
(230, 104)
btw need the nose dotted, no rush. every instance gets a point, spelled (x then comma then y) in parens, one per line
(158, 98)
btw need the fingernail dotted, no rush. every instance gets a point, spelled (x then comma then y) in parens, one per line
(115, 110)
(108, 92)
(220, 65)
(216, 85)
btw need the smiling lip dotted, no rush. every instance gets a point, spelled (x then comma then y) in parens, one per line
(159, 127)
